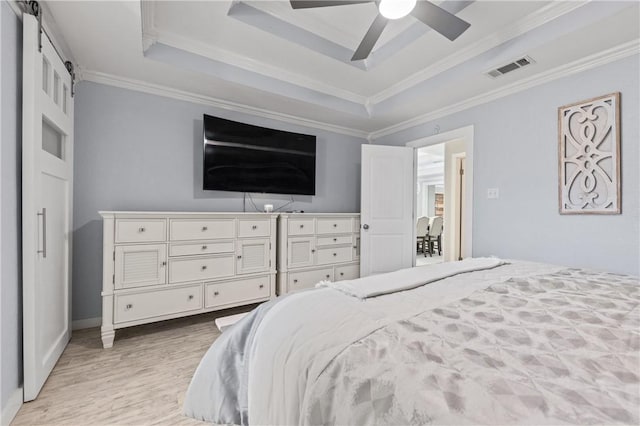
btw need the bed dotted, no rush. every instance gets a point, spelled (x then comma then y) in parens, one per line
(482, 341)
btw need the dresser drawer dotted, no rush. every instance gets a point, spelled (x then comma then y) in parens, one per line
(308, 279)
(205, 247)
(337, 239)
(138, 306)
(207, 229)
(201, 268)
(301, 226)
(235, 292)
(325, 256)
(254, 228)
(338, 225)
(347, 272)
(140, 230)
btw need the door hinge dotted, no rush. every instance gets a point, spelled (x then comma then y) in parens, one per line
(114, 256)
(113, 279)
(461, 171)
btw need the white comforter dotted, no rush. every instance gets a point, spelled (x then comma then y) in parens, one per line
(284, 363)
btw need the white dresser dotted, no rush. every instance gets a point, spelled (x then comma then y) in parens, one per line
(317, 247)
(158, 266)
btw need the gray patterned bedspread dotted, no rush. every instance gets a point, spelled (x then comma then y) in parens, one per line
(560, 348)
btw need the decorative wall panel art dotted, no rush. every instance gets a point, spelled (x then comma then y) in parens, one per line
(589, 156)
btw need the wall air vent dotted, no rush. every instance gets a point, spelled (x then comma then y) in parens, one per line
(511, 66)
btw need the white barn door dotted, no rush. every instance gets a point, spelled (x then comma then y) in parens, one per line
(386, 208)
(47, 171)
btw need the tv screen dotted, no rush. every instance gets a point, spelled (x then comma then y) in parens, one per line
(245, 158)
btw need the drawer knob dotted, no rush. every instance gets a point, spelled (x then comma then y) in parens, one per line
(191, 297)
(129, 306)
(204, 247)
(261, 286)
(335, 225)
(341, 273)
(313, 250)
(295, 281)
(204, 228)
(355, 247)
(301, 226)
(335, 239)
(204, 267)
(327, 275)
(141, 229)
(335, 254)
(215, 293)
(164, 263)
(254, 227)
(239, 257)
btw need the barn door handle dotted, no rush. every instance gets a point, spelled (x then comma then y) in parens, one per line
(44, 232)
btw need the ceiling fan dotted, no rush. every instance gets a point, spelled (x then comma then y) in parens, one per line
(447, 24)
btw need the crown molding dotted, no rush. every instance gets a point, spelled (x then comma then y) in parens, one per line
(536, 19)
(601, 58)
(154, 89)
(584, 64)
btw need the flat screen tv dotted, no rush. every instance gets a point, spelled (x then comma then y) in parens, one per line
(245, 158)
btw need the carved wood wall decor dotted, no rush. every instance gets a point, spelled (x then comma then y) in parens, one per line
(589, 156)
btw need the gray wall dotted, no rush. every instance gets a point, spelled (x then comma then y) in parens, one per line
(516, 150)
(135, 151)
(10, 231)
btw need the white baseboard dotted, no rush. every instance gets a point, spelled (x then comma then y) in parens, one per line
(86, 323)
(12, 407)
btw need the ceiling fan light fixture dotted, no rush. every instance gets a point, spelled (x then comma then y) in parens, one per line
(396, 9)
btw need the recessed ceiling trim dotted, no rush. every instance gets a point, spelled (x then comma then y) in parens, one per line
(601, 58)
(183, 59)
(518, 28)
(257, 67)
(155, 89)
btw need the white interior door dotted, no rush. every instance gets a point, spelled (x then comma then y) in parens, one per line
(47, 167)
(386, 208)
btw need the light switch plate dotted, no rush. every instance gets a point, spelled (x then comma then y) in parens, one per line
(493, 193)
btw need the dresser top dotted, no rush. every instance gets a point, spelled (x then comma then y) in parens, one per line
(181, 214)
(320, 214)
(193, 214)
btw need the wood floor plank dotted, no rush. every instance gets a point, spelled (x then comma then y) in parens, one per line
(140, 381)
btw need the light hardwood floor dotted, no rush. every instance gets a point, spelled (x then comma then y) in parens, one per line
(142, 380)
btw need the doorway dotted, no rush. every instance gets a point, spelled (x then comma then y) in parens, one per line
(444, 190)
(430, 207)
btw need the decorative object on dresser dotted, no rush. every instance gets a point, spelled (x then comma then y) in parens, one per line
(159, 266)
(317, 247)
(589, 156)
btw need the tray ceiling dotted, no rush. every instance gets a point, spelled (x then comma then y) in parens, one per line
(264, 58)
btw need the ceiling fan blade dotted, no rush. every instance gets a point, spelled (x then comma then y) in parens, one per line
(447, 24)
(370, 38)
(308, 4)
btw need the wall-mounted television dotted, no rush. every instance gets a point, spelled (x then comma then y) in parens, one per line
(245, 158)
